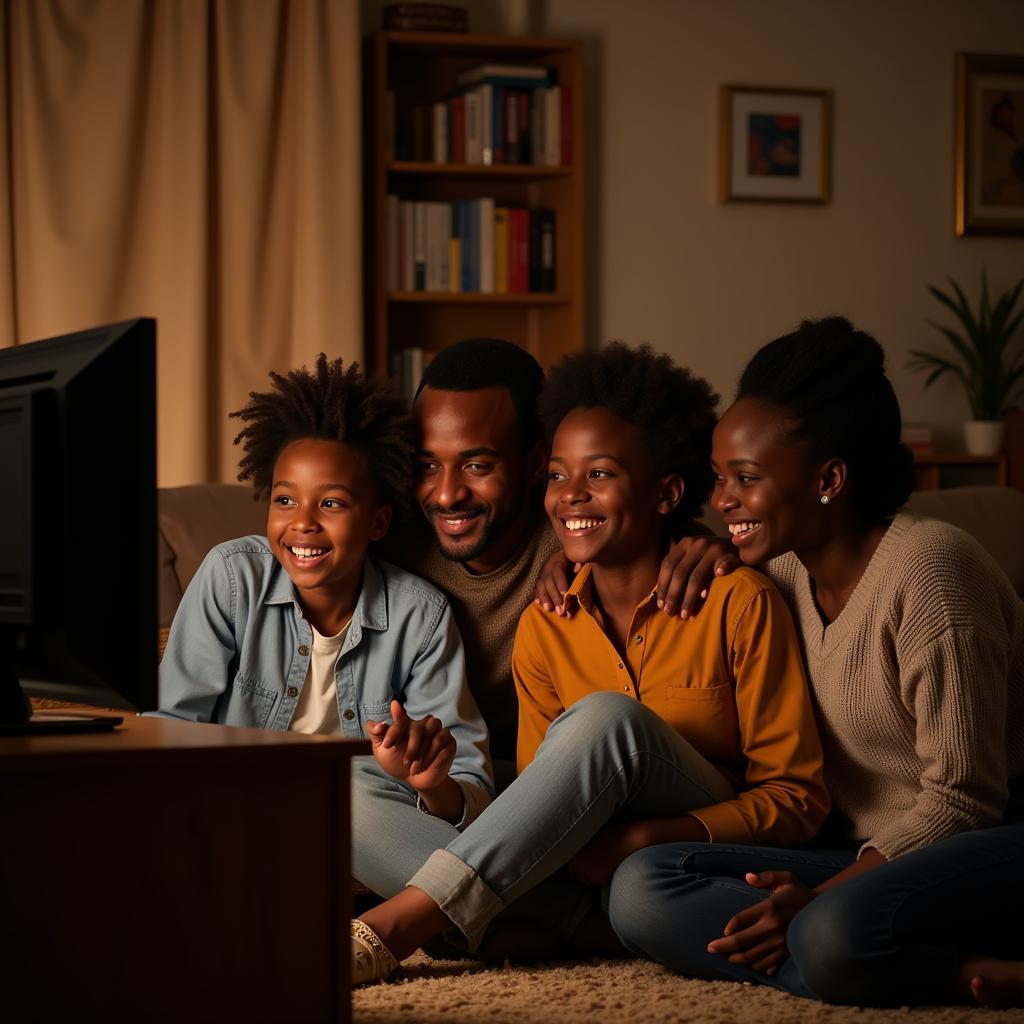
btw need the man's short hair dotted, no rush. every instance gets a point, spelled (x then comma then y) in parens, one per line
(487, 363)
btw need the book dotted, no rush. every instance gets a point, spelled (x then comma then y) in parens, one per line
(419, 246)
(566, 125)
(486, 93)
(457, 127)
(454, 250)
(526, 72)
(422, 17)
(392, 215)
(474, 139)
(407, 258)
(518, 251)
(440, 126)
(546, 269)
(486, 246)
(501, 249)
(511, 152)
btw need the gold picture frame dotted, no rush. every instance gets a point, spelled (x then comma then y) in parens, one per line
(774, 144)
(989, 147)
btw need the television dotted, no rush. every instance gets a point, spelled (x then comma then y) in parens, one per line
(78, 527)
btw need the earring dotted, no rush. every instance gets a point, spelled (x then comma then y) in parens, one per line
(824, 499)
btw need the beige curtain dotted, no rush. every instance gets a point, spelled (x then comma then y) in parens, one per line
(193, 160)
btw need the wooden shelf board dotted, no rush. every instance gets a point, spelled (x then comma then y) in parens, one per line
(479, 170)
(465, 43)
(483, 298)
(956, 459)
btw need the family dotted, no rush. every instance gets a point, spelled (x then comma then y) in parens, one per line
(791, 757)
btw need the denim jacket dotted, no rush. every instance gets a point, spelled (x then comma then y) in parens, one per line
(239, 648)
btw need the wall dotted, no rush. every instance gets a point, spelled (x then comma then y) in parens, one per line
(710, 282)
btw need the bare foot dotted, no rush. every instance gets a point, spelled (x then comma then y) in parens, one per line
(993, 983)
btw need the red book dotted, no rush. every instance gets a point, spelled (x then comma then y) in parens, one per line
(566, 125)
(519, 250)
(458, 129)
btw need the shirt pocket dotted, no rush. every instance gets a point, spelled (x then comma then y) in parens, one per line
(375, 713)
(705, 716)
(251, 703)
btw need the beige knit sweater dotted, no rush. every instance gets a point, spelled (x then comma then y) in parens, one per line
(918, 685)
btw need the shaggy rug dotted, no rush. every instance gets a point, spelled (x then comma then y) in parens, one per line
(619, 991)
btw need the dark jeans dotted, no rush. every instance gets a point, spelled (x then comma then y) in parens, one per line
(893, 936)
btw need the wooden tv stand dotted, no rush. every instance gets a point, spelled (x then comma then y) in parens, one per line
(168, 872)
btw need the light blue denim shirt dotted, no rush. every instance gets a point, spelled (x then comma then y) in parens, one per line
(239, 648)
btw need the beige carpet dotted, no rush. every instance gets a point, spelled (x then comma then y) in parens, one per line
(620, 992)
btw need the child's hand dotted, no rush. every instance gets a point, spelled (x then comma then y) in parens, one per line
(417, 751)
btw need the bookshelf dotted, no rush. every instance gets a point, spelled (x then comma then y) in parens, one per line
(402, 70)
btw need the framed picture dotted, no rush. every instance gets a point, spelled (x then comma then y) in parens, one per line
(774, 144)
(989, 144)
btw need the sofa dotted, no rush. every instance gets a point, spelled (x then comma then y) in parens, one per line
(192, 519)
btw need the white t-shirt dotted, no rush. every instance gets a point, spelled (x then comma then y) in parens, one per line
(317, 709)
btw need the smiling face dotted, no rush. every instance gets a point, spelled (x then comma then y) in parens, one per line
(474, 479)
(603, 501)
(767, 489)
(323, 515)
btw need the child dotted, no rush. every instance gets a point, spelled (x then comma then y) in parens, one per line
(634, 727)
(302, 630)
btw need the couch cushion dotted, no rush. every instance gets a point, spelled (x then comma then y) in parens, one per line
(192, 520)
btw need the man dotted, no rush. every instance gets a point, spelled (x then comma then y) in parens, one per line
(481, 467)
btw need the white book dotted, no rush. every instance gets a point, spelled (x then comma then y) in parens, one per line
(393, 242)
(553, 126)
(406, 232)
(486, 245)
(474, 147)
(486, 123)
(440, 147)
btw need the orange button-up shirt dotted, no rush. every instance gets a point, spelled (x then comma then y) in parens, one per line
(729, 680)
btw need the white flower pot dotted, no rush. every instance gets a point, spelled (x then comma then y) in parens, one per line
(983, 437)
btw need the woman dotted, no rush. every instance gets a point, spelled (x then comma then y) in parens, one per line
(914, 641)
(635, 728)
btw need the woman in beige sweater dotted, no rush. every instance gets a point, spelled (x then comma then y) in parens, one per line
(914, 641)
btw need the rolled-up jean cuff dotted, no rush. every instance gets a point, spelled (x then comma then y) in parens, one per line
(460, 892)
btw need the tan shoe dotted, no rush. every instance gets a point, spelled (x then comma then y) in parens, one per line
(371, 959)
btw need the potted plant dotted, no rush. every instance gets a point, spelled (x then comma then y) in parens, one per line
(981, 360)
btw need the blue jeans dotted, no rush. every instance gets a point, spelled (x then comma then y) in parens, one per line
(893, 936)
(604, 757)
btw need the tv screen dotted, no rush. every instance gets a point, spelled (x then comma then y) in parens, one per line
(78, 603)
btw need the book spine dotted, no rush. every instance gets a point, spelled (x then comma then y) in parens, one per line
(444, 232)
(534, 251)
(419, 246)
(519, 255)
(498, 124)
(487, 246)
(473, 235)
(552, 125)
(486, 126)
(537, 126)
(511, 127)
(546, 276)
(440, 119)
(393, 242)
(465, 275)
(501, 250)
(458, 119)
(566, 126)
(454, 250)
(407, 231)
(474, 150)
(526, 101)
